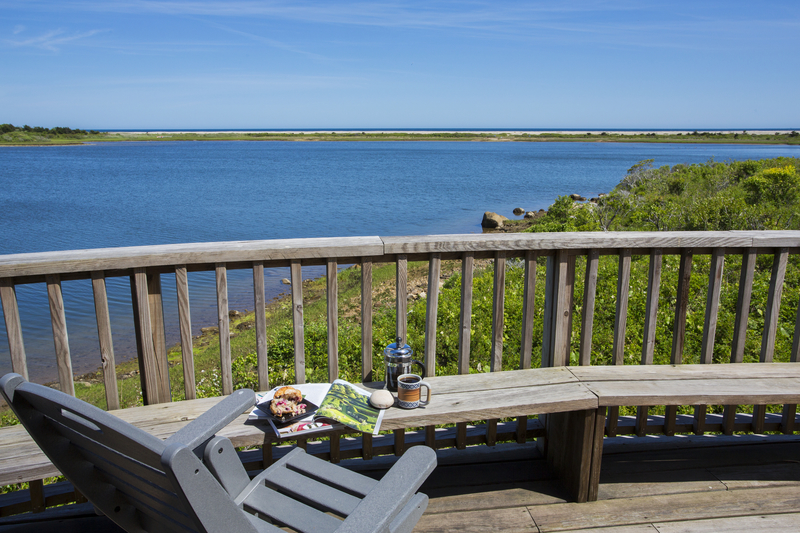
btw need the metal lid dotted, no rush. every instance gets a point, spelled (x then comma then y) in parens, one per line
(398, 352)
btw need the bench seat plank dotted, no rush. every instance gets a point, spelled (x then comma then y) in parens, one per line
(696, 391)
(685, 372)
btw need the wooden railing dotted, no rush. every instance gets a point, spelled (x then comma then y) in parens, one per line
(145, 267)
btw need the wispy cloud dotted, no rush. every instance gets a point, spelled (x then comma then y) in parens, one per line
(19, 28)
(52, 40)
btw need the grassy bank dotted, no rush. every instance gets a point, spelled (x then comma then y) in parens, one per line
(31, 138)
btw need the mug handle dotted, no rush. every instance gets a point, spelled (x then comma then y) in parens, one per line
(421, 367)
(427, 386)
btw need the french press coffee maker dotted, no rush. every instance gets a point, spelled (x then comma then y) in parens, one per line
(397, 357)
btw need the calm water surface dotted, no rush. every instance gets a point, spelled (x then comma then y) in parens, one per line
(128, 194)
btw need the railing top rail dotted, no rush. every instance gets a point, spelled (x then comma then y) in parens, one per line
(74, 261)
(36, 264)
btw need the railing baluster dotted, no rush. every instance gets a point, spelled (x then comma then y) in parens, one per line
(159, 335)
(740, 327)
(710, 326)
(367, 373)
(620, 320)
(60, 337)
(332, 300)
(563, 311)
(790, 410)
(185, 325)
(464, 332)
(771, 325)
(651, 316)
(587, 315)
(431, 312)
(262, 367)
(297, 321)
(498, 300)
(104, 337)
(401, 291)
(16, 347)
(223, 319)
(526, 348)
(528, 301)
(679, 328)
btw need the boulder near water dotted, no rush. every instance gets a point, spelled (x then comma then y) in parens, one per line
(492, 220)
(518, 211)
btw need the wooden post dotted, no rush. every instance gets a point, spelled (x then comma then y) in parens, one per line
(60, 338)
(16, 347)
(771, 317)
(297, 321)
(224, 329)
(710, 326)
(159, 335)
(431, 313)
(679, 329)
(144, 338)
(464, 332)
(740, 327)
(104, 336)
(620, 320)
(367, 373)
(401, 304)
(261, 325)
(649, 341)
(332, 297)
(185, 322)
(498, 302)
(587, 316)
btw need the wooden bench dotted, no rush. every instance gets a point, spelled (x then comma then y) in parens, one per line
(573, 400)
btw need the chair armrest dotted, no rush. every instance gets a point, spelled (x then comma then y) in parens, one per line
(197, 432)
(378, 509)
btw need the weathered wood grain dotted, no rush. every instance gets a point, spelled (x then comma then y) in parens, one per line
(587, 314)
(432, 312)
(580, 241)
(562, 314)
(259, 312)
(498, 302)
(224, 329)
(159, 336)
(16, 347)
(685, 372)
(210, 253)
(465, 314)
(297, 322)
(366, 321)
(712, 305)
(621, 314)
(332, 301)
(743, 305)
(58, 320)
(773, 305)
(680, 507)
(105, 339)
(696, 391)
(401, 303)
(528, 301)
(185, 326)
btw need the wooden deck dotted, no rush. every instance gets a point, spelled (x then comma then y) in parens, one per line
(651, 484)
(648, 484)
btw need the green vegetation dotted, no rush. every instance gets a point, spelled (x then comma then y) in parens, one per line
(25, 135)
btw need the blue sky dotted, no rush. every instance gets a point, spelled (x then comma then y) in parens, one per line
(173, 64)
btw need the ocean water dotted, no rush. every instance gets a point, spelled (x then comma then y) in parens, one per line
(144, 193)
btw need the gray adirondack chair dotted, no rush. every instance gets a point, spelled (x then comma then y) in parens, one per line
(194, 481)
